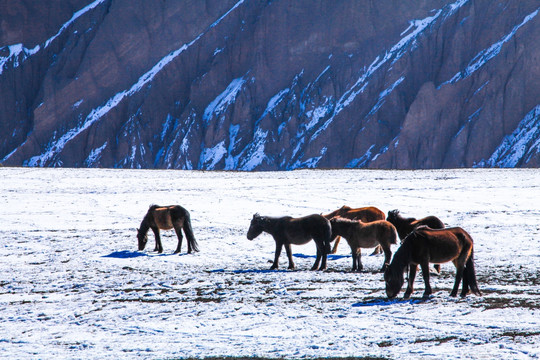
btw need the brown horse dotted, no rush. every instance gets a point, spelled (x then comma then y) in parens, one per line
(166, 218)
(365, 214)
(405, 226)
(298, 231)
(425, 245)
(365, 235)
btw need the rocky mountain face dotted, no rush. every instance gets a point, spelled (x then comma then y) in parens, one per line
(270, 85)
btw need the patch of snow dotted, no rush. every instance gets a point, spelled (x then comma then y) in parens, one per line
(361, 161)
(408, 41)
(383, 95)
(254, 154)
(74, 285)
(487, 54)
(223, 100)
(75, 16)
(16, 55)
(98, 113)
(95, 155)
(520, 146)
(211, 156)
(77, 104)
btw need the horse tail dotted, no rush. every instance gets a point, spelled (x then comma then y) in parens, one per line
(470, 273)
(189, 233)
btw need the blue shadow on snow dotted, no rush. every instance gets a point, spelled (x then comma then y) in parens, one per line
(386, 302)
(255, 271)
(328, 257)
(125, 254)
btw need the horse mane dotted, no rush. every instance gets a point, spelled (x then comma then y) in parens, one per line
(403, 253)
(342, 220)
(396, 214)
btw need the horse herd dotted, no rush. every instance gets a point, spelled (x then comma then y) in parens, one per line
(423, 241)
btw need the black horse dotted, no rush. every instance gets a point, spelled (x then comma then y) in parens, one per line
(166, 218)
(298, 231)
(425, 245)
(405, 226)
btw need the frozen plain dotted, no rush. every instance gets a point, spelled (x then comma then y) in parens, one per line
(73, 285)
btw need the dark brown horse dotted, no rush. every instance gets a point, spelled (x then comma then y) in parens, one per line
(298, 231)
(425, 245)
(405, 226)
(365, 214)
(365, 235)
(167, 218)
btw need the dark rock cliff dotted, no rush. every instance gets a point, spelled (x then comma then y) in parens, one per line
(270, 85)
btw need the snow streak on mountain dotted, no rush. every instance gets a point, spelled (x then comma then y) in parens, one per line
(253, 85)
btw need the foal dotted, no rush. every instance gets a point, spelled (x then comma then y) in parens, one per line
(365, 214)
(365, 235)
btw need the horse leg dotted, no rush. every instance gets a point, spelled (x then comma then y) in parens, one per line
(377, 250)
(178, 231)
(437, 268)
(410, 281)
(459, 276)
(321, 255)
(289, 255)
(354, 259)
(387, 256)
(465, 284)
(159, 247)
(358, 255)
(275, 265)
(336, 243)
(425, 274)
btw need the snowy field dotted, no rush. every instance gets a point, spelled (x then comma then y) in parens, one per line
(73, 285)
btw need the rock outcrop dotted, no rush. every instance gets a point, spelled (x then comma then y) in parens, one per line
(270, 85)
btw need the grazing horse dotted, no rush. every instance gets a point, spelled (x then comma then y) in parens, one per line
(405, 226)
(365, 235)
(425, 245)
(298, 231)
(365, 214)
(166, 218)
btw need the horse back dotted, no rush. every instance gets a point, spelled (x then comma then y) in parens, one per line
(365, 214)
(166, 217)
(303, 229)
(442, 245)
(430, 221)
(381, 230)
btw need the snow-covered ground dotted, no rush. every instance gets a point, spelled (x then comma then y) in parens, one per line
(73, 285)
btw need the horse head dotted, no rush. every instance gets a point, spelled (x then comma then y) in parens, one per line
(143, 239)
(255, 227)
(392, 215)
(393, 279)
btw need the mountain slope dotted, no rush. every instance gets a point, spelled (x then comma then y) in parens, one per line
(256, 85)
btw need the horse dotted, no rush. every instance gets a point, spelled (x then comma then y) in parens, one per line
(366, 214)
(424, 245)
(287, 230)
(405, 226)
(166, 218)
(365, 235)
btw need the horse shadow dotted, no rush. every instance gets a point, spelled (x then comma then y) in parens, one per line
(387, 302)
(125, 254)
(248, 271)
(329, 256)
